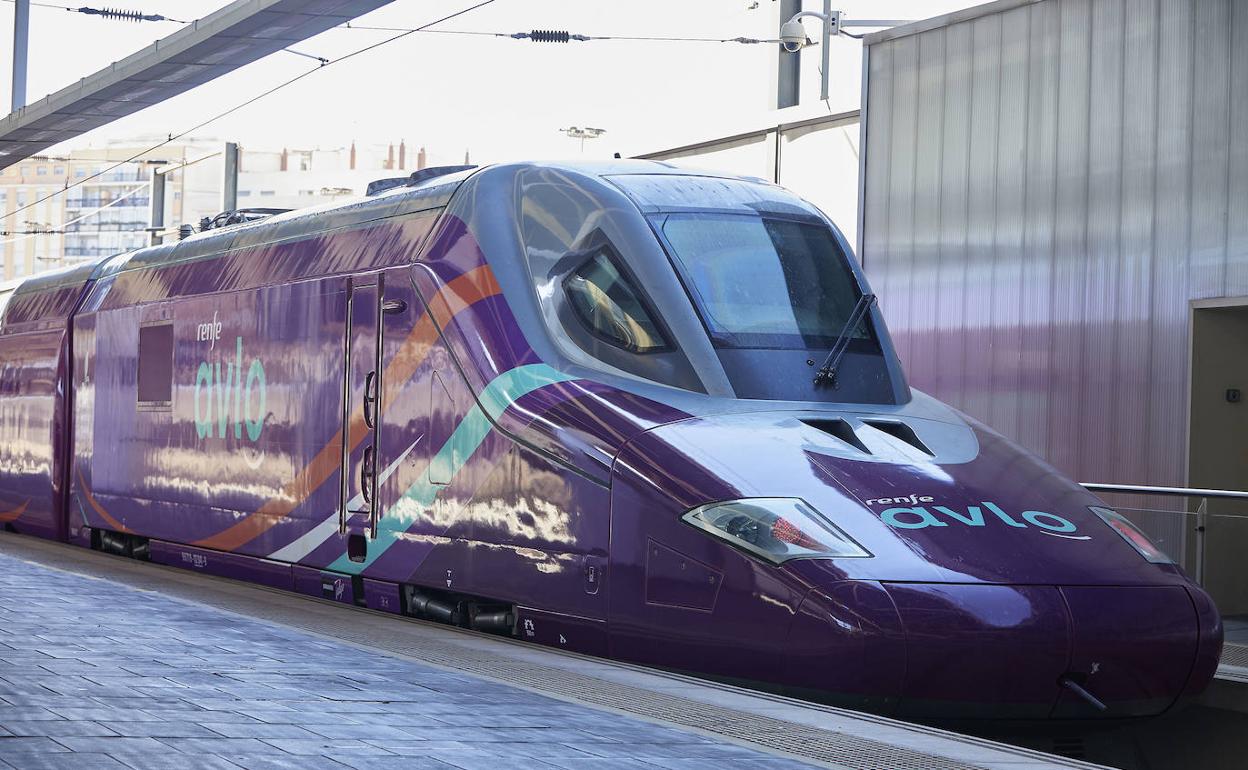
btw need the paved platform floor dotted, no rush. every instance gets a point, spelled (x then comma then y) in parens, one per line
(97, 675)
(147, 667)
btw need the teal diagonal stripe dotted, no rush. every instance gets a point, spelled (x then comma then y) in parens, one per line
(464, 441)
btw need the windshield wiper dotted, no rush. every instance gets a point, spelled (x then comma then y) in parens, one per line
(827, 372)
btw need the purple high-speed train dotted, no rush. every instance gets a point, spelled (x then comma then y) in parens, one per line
(621, 409)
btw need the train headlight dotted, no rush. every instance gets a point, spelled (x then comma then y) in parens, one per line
(775, 529)
(1134, 537)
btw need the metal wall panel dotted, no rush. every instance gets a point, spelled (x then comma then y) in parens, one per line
(1141, 38)
(901, 180)
(981, 215)
(1069, 288)
(1237, 214)
(1046, 188)
(1040, 220)
(1006, 285)
(1098, 378)
(874, 231)
(1211, 159)
(951, 294)
(1169, 358)
(925, 260)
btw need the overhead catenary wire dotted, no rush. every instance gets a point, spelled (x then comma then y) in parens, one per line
(563, 36)
(246, 103)
(116, 14)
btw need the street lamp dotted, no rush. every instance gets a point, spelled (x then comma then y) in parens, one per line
(576, 132)
(793, 34)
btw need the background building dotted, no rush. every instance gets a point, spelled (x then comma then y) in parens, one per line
(293, 178)
(1055, 209)
(110, 213)
(107, 214)
(21, 185)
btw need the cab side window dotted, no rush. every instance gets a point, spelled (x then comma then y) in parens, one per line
(607, 303)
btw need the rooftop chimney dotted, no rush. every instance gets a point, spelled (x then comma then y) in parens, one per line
(421, 160)
(402, 155)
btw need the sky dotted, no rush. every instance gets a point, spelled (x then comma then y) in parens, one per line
(502, 99)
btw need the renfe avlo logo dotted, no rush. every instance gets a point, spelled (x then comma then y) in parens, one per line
(224, 398)
(916, 516)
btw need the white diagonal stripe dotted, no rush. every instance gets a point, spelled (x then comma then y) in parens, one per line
(313, 538)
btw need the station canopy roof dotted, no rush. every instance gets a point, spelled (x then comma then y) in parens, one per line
(238, 34)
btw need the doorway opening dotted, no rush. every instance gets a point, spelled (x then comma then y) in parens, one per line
(1218, 452)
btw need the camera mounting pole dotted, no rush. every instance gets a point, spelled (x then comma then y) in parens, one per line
(793, 35)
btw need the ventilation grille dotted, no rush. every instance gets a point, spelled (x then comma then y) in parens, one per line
(902, 432)
(839, 429)
(842, 430)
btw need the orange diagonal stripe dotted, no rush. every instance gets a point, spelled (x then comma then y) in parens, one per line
(86, 492)
(13, 515)
(467, 289)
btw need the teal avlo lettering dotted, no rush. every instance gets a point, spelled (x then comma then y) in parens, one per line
(919, 517)
(893, 517)
(226, 402)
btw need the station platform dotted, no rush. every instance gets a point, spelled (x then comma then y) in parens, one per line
(107, 662)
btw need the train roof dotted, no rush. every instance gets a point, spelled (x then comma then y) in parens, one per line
(71, 275)
(432, 193)
(405, 197)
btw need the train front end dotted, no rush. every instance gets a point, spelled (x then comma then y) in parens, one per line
(802, 520)
(910, 563)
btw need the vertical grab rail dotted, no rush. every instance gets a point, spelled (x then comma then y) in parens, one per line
(375, 460)
(344, 472)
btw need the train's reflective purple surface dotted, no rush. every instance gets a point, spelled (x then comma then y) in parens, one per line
(620, 409)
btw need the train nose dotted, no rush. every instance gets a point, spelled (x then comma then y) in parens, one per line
(1045, 651)
(980, 651)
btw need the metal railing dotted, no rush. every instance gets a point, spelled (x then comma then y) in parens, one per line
(1201, 513)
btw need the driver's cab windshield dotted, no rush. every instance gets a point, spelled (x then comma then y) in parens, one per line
(762, 281)
(709, 284)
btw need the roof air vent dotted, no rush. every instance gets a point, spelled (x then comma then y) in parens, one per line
(902, 432)
(381, 185)
(433, 172)
(839, 429)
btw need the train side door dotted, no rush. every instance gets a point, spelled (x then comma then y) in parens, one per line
(361, 412)
(381, 313)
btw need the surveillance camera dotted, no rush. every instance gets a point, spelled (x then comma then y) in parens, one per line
(793, 36)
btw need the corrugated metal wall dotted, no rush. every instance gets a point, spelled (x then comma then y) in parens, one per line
(1046, 187)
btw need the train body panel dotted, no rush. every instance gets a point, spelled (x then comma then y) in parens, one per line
(620, 409)
(34, 398)
(32, 420)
